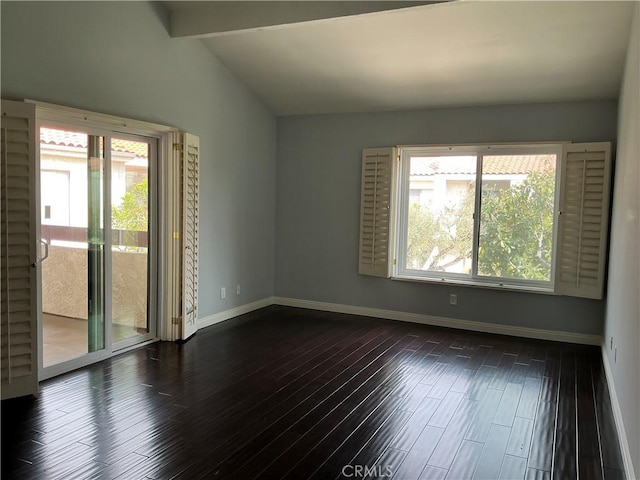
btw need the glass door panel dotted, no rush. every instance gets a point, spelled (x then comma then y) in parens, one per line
(129, 239)
(72, 226)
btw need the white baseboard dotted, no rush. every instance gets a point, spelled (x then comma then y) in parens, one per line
(234, 312)
(617, 416)
(526, 332)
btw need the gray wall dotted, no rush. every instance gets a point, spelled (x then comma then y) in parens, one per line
(318, 207)
(622, 320)
(117, 58)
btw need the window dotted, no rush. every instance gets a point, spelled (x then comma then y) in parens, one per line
(437, 231)
(508, 216)
(509, 240)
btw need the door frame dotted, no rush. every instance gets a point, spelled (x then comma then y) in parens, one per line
(109, 126)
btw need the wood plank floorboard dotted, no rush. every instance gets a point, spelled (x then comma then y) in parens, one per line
(287, 393)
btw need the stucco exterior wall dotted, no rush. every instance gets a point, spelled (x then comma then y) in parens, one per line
(64, 282)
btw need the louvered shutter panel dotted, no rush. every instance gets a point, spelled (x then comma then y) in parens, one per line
(375, 211)
(18, 325)
(190, 186)
(583, 220)
(183, 224)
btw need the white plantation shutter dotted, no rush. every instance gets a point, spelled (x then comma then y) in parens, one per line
(583, 220)
(190, 182)
(375, 211)
(183, 218)
(18, 325)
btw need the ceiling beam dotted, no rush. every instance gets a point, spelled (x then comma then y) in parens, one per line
(215, 18)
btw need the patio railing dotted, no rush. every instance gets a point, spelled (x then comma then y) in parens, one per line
(123, 238)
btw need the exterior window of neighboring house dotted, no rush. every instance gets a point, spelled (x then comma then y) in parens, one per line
(55, 197)
(530, 217)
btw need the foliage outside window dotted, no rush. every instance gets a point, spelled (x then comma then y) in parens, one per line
(131, 216)
(516, 229)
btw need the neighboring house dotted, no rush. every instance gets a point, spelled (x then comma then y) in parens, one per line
(63, 180)
(438, 183)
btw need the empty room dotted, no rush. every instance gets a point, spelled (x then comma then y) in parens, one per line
(320, 240)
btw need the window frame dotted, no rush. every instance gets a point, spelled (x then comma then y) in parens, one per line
(401, 212)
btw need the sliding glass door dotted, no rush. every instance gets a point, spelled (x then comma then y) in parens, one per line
(98, 288)
(132, 294)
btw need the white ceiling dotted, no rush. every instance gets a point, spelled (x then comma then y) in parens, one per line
(447, 54)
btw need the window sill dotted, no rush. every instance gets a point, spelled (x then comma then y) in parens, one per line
(546, 290)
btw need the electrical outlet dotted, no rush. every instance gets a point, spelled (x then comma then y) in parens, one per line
(453, 299)
(238, 289)
(223, 293)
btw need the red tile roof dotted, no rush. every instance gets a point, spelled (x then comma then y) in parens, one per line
(492, 165)
(52, 136)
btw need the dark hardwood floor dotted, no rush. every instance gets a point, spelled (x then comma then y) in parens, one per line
(284, 393)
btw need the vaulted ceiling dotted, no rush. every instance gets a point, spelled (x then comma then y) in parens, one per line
(320, 57)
